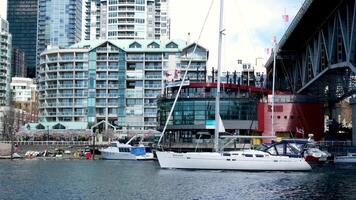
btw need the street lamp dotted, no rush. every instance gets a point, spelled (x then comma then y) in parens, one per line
(12, 142)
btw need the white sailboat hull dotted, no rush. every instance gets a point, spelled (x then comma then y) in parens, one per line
(217, 161)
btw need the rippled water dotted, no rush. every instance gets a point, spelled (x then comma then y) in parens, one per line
(100, 179)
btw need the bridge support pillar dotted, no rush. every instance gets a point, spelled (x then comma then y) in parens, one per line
(353, 105)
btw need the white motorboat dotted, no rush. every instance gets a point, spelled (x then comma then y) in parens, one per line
(119, 151)
(349, 158)
(255, 160)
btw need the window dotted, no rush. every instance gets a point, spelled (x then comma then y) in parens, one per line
(172, 45)
(153, 45)
(135, 45)
(248, 155)
(259, 156)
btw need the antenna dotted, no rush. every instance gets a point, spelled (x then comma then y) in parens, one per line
(188, 38)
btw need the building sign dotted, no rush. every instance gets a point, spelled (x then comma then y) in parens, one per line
(278, 108)
(177, 83)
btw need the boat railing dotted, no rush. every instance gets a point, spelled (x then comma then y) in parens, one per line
(331, 143)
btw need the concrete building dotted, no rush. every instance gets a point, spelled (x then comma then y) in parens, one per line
(24, 97)
(127, 19)
(59, 24)
(118, 81)
(23, 89)
(18, 63)
(5, 62)
(22, 17)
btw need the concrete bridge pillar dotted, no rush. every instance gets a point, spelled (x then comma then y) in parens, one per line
(353, 105)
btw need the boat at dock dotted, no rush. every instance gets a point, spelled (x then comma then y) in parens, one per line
(251, 160)
(120, 151)
(349, 158)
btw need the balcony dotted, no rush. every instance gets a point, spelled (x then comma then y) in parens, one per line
(155, 86)
(153, 76)
(153, 67)
(150, 114)
(66, 76)
(153, 58)
(65, 86)
(81, 76)
(150, 123)
(81, 85)
(135, 58)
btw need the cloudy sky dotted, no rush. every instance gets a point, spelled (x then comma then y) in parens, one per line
(250, 25)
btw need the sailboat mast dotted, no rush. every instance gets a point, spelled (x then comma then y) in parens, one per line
(273, 86)
(217, 98)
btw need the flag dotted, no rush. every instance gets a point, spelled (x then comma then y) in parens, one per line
(267, 51)
(274, 39)
(285, 18)
(176, 73)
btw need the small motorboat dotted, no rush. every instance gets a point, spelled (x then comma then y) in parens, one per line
(120, 151)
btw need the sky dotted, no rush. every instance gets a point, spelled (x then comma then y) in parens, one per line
(249, 26)
(3, 6)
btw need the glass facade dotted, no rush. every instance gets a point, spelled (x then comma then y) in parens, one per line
(196, 105)
(59, 23)
(198, 111)
(22, 17)
(193, 118)
(118, 81)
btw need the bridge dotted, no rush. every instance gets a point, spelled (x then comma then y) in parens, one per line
(317, 54)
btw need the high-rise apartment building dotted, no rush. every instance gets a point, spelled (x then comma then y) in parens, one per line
(59, 23)
(22, 18)
(5, 62)
(118, 81)
(127, 19)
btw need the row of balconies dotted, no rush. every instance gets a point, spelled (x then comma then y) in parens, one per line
(107, 95)
(45, 105)
(67, 77)
(62, 113)
(64, 58)
(65, 68)
(106, 49)
(107, 58)
(107, 67)
(63, 95)
(60, 86)
(104, 76)
(110, 86)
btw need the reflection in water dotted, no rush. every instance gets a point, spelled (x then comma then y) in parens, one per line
(61, 179)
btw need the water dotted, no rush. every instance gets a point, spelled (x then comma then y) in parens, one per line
(100, 179)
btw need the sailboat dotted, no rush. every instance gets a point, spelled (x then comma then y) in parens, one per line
(253, 160)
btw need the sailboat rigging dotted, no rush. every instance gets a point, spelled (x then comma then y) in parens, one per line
(228, 160)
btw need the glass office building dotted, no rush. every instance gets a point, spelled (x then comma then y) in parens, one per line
(118, 81)
(22, 18)
(59, 23)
